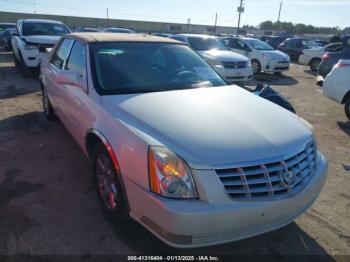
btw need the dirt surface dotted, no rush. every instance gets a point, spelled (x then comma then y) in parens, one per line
(48, 203)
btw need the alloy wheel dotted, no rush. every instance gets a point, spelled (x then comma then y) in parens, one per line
(106, 181)
(255, 66)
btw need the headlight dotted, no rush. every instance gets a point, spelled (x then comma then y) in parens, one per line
(267, 56)
(31, 46)
(169, 174)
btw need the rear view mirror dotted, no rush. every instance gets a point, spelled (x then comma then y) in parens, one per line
(68, 78)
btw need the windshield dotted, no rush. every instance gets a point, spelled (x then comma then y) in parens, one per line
(205, 44)
(309, 43)
(125, 68)
(259, 45)
(44, 29)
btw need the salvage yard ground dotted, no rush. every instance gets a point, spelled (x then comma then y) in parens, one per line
(48, 203)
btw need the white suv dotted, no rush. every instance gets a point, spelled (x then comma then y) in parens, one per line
(32, 38)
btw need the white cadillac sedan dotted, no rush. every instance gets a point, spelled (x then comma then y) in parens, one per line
(195, 161)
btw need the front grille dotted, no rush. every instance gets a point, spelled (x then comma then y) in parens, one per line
(42, 47)
(268, 181)
(235, 65)
(235, 77)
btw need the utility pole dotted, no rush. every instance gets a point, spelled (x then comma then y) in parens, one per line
(34, 4)
(240, 10)
(279, 15)
(216, 20)
(107, 18)
(188, 24)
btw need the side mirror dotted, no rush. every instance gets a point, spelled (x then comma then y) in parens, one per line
(15, 33)
(68, 78)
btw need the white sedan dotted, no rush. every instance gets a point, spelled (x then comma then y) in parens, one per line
(195, 161)
(312, 57)
(337, 84)
(263, 56)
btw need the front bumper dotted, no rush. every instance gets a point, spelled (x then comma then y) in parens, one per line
(216, 218)
(33, 58)
(235, 74)
(272, 66)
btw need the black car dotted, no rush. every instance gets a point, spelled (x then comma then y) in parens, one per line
(331, 58)
(295, 46)
(265, 91)
(275, 41)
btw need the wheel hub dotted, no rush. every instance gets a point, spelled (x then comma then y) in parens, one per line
(106, 182)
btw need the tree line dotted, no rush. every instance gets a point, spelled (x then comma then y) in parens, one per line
(296, 28)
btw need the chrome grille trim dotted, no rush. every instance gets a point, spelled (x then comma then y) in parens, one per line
(269, 181)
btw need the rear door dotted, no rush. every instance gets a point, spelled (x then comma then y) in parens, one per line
(237, 45)
(76, 98)
(54, 89)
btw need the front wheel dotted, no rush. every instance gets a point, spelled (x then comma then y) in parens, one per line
(347, 108)
(256, 66)
(315, 64)
(48, 110)
(109, 186)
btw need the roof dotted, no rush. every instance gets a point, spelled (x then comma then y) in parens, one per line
(41, 21)
(120, 37)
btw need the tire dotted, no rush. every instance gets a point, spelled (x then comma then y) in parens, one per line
(315, 64)
(256, 66)
(16, 61)
(26, 72)
(277, 73)
(48, 110)
(347, 108)
(113, 204)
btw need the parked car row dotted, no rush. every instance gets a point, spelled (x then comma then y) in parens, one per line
(236, 59)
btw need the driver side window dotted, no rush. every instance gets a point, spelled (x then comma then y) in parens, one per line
(62, 53)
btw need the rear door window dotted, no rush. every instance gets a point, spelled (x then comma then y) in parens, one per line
(62, 53)
(77, 59)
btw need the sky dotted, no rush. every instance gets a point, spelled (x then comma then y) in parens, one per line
(328, 13)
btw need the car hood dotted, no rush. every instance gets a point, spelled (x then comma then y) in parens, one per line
(276, 54)
(223, 56)
(211, 127)
(42, 39)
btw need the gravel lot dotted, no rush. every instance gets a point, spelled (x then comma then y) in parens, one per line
(49, 205)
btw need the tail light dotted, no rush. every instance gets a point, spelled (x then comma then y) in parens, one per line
(326, 57)
(342, 64)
